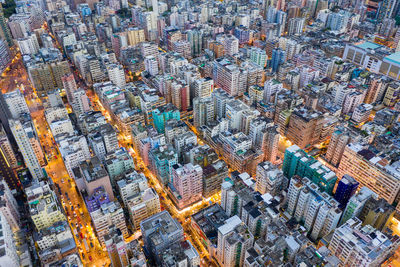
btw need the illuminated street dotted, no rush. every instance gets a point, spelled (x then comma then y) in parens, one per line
(200, 133)
(183, 216)
(56, 170)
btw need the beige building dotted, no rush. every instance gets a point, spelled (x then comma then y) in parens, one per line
(305, 127)
(371, 171)
(46, 77)
(43, 206)
(135, 36)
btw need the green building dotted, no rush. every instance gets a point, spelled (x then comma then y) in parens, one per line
(298, 162)
(164, 113)
(162, 159)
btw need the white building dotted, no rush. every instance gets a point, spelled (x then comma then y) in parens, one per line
(110, 214)
(55, 235)
(74, 150)
(61, 126)
(271, 87)
(234, 239)
(8, 249)
(25, 146)
(317, 210)
(116, 75)
(28, 45)
(9, 206)
(151, 65)
(296, 26)
(231, 44)
(16, 104)
(55, 113)
(357, 245)
(361, 113)
(81, 103)
(203, 87)
(268, 178)
(187, 181)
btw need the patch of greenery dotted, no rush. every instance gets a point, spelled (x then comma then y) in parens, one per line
(397, 18)
(124, 13)
(9, 8)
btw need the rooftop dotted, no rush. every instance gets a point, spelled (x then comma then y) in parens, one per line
(368, 45)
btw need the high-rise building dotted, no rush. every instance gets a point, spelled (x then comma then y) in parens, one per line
(135, 36)
(118, 163)
(231, 45)
(9, 206)
(116, 74)
(278, 58)
(162, 161)
(339, 140)
(110, 214)
(47, 76)
(43, 206)
(28, 45)
(182, 47)
(361, 113)
(81, 102)
(5, 115)
(356, 204)
(5, 59)
(19, 24)
(229, 76)
(187, 184)
(337, 21)
(318, 211)
(233, 240)
(151, 65)
(26, 149)
(141, 201)
(70, 86)
(213, 176)
(269, 179)
(298, 162)
(258, 56)
(386, 9)
(16, 103)
(377, 213)
(202, 87)
(195, 39)
(296, 26)
(305, 127)
(270, 142)
(371, 171)
(345, 189)
(180, 94)
(159, 232)
(271, 87)
(203, 111)
(351, 243)
(116, 247)
(7, 159)
(6, 150)
(163, 114)
(9, 255)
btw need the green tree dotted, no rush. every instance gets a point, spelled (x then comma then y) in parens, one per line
(9, 8)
